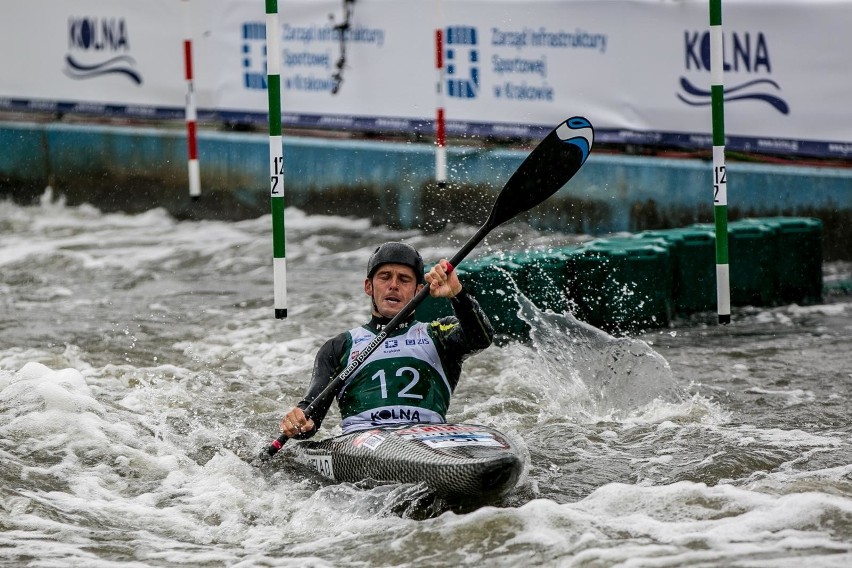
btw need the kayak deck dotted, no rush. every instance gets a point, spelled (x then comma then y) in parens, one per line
(453, 460)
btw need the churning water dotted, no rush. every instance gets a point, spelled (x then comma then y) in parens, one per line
(141, 370)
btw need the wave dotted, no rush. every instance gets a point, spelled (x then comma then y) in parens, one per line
(706, 98)
(77, 70)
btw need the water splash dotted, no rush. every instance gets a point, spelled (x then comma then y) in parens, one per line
(608, 376)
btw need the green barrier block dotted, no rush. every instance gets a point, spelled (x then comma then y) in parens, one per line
(490, 280)
(431, 308)
(693, 254)
(696, 272)
(673, 242)
(751, 258)
(623, 284)
(543, 277)
(593, 290)
(797, 260)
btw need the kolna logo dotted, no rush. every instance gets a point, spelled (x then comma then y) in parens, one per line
(462, 57)
(99, 46)
(743, 54)
(407, 414)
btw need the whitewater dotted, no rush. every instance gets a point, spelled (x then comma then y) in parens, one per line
(142, 370)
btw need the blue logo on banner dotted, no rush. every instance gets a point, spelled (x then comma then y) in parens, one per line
(743, 53)
(462, 66)
(99, 46)
(254, 55)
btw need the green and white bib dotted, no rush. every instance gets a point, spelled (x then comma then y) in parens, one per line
(400, 382)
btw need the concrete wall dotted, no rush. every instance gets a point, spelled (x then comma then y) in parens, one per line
(133, 169)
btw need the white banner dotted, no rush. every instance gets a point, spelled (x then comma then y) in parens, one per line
(387, 61)
(638, 69)
(95, 56)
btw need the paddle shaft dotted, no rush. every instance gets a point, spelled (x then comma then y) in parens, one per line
(535, 180)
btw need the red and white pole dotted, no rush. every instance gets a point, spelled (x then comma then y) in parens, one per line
(440, 126)
(191, 112)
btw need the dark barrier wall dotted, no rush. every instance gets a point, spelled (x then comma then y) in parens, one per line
(135, 169)
(635, 283)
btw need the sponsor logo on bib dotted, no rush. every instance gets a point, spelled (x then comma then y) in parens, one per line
(409, 414)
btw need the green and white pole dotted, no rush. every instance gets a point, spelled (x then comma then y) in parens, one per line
(276, 158)
(720, 175)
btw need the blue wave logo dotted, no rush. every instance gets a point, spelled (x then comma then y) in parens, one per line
(701, 97)
(121, 65)
(743, 53)
(579, 132)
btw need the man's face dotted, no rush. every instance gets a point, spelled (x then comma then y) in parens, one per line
(392, 287)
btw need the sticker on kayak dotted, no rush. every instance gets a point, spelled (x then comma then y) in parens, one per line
(322, 464)
(438, 429)
(455, 440)
(370, 439)
(449, 436)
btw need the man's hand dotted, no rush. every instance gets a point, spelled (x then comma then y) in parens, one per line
(443, 284)
(295, 423)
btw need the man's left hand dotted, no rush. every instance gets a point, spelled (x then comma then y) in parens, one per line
(443, 282)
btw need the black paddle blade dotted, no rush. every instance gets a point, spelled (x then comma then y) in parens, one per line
(548, 167)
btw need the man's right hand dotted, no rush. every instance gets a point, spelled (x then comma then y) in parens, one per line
(295, 424)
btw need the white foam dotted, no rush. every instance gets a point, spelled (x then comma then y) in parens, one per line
(297, 219)
(679, 524)
(837, 309)
(791, 397)
(107, 466)
(118, 459)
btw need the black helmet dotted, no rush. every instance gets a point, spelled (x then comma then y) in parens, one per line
(396, 253)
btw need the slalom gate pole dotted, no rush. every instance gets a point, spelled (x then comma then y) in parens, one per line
(276, 158)
(720, 175)
(191, 111)
(440, 126)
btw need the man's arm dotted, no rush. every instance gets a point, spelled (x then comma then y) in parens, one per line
(460, 336)
(477, 330)
(327, 365)
(473, 331)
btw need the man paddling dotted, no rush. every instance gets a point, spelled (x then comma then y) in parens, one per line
(411, 377)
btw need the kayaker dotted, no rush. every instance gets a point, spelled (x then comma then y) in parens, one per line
(411, 377)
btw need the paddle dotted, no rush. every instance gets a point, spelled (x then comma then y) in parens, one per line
(548, 167)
